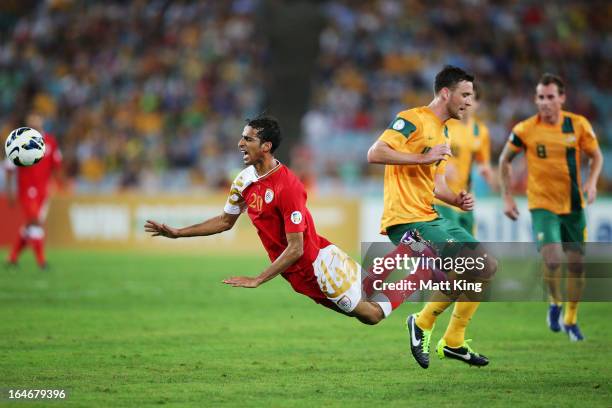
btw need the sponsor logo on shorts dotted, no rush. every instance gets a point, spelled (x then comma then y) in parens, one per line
(540, 236)
(269, 196)
(296, 217)
(344, 303)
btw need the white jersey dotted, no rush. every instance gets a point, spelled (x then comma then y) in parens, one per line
(235, 200)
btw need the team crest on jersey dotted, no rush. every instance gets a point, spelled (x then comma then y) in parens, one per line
(269, 196)
(296, 217)
(399, 124)
(571, 139)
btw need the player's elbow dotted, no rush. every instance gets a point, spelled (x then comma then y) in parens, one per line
(226, 223)
(296, 251)
(375, 156)
(504, 160)
(370, 156)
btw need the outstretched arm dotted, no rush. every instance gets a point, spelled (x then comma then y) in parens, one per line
(505, 167)
(291, 254)
(211, 226)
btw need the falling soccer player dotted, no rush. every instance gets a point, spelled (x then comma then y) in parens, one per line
(275, 201)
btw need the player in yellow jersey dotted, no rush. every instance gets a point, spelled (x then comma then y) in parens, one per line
(553, 141)
(415, 149)
(470, 143)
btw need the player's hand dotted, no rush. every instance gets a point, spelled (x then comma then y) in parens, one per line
(510, 208)
(437, 153)
(156, 230)
(590, 189)
(242, 282)
(465, 201)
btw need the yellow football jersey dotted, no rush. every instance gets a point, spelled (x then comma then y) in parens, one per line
(409, 189)
(553, 160)
(470, 142)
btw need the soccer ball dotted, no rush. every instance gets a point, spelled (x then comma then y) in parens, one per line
(24, 146)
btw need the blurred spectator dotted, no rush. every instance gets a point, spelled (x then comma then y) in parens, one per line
(379, 57)
(149, 94)
(137, 90)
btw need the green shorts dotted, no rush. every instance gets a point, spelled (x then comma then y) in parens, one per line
(445, 236)
(464, 219)
(568, 229)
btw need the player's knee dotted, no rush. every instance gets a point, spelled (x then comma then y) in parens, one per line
(552, 260)
(575, 270)
(575, 267)
(489, 270)
(552, 264)
(491, 266)
(369, 313)
(371, 320)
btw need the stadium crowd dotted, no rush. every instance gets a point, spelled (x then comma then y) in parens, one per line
(138, 95)
(379, 57)
(151, 94)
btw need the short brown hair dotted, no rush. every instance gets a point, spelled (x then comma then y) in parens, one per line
(548, 79)
(449, 77)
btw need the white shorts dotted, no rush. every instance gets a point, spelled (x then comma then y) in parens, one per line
(339, 277)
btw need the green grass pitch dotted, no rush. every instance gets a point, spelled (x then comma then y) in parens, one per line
(121, 329)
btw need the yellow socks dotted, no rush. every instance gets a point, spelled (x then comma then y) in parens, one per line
(462, 314)
(571, 313)
(427, 317)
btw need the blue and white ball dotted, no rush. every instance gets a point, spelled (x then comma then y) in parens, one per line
(25, 146)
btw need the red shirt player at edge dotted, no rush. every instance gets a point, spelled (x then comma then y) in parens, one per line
(275, 201)
(32, 193)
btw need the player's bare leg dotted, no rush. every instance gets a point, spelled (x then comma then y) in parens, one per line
(552, 255)
(368, 312)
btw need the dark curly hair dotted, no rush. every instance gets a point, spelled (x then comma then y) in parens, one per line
(268, 130)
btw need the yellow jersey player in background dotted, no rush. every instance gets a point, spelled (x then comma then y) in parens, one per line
(415, 149)
(470, 143)
(553, 141)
